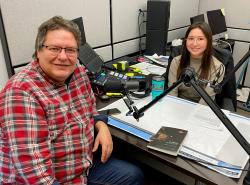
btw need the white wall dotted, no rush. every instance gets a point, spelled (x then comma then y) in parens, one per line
(180, 17)
(237, 12)
(125, 22)
(125, 25)
(3, 69)
(238, 18)
(22, 17)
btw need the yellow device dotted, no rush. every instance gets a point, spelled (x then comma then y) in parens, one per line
(114, 94)
(129, 74)
(134, 69)
(121, 65)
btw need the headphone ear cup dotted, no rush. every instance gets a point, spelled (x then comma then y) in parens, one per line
(137, 95)
(147, 90)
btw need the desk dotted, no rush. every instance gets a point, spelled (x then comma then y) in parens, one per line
(177, 167)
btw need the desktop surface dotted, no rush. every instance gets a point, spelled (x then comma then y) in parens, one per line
(163, 162)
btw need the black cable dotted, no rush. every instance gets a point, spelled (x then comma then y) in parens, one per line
(138, 22)
(218, 75)
(141, 12)
(140, 44)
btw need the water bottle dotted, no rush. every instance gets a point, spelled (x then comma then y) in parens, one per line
(157, 86)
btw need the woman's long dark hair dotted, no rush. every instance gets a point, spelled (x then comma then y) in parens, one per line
(207, 55)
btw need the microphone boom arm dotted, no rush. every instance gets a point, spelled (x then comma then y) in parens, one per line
(139, 113)
(231, 73)
(189, 79)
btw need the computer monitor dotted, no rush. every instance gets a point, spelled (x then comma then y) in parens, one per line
(79, 23)
(197, 18)
(217, 22)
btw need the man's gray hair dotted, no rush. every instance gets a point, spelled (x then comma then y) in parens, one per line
(56, 23)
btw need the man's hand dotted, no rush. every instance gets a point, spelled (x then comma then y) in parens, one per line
(104, 139)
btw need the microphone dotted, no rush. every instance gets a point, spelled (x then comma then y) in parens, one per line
(213, 84)
(116, 85)
(188, 74)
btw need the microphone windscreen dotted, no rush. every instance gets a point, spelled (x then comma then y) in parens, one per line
(113, 85)
(143, 85)
(132, 85)
(187, 74)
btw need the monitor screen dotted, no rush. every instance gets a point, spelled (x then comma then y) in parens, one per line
(217, 22)
(90, 59)
(197, 18)
(79, 23)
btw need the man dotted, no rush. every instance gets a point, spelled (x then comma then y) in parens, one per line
(48, 118)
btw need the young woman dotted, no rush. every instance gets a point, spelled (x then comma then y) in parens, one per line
(196, 53)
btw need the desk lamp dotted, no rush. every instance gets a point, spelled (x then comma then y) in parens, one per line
(188, 78)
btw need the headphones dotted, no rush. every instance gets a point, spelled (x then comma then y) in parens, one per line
(139, 95)
(144, 90)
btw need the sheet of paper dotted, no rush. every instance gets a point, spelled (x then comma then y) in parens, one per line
(207, 132)
(147, 68)
(162, 60)
(211, 162)
(203, 116)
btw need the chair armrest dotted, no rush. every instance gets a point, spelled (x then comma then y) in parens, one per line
(227, 104)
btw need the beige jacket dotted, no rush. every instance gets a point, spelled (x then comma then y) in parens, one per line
(182, 91)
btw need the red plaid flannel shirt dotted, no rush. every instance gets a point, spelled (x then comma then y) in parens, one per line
(47, 130)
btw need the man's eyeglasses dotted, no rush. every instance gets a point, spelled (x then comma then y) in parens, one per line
(56, 50)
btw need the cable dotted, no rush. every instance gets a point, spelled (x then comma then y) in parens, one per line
(218, 73)
(140, 44)
(97, 91)
(138, 22)
(141, 12)
(227, 44)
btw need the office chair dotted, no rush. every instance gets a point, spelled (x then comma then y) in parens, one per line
(174, 52)
(226, 99)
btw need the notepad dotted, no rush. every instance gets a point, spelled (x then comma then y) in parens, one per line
(168, 140)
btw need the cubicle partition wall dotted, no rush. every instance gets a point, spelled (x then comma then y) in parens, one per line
(111, 26)
(238, 26)
(21, 19)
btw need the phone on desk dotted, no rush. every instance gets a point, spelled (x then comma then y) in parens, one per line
(113, 111)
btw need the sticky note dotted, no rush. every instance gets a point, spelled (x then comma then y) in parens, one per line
(223, 11)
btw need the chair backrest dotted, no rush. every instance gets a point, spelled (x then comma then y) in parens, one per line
(174, 52)
(229, 89)
(223, 55)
